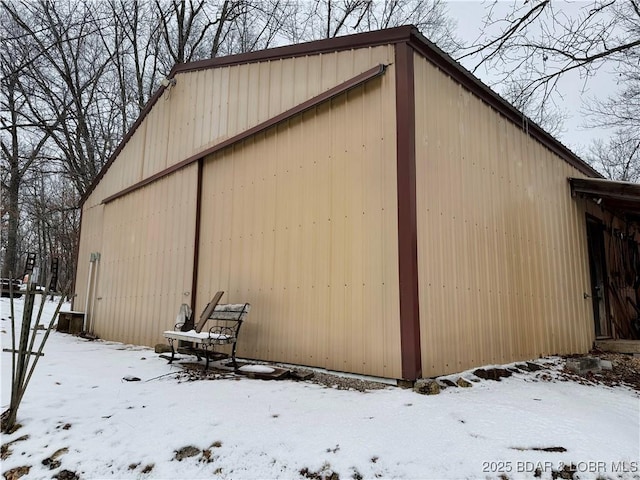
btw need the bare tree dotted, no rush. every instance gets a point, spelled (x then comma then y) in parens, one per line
(548, 115)
(330, 18)
(618, 158)
(72, 97)
(255, 28)
(538, 42)
(542, 42)
(21, 141)
(50, 220)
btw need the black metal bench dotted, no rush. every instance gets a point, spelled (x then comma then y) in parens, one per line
(227, 320)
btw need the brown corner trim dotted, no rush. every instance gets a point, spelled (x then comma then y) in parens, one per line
(273, 121)
(407, 214)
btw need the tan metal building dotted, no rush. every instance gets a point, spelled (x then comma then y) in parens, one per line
(382, 210)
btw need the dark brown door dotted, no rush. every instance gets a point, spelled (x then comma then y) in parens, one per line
(597, 270)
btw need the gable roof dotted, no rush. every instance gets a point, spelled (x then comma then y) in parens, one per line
(404, 34)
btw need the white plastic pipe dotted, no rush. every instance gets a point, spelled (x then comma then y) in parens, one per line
(86, 303)
(93, 297)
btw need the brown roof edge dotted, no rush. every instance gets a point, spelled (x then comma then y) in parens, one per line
(349, 42)
(452, 68)
(613, 188)
(273, 121)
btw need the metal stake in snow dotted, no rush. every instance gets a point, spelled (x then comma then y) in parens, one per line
(24, 358)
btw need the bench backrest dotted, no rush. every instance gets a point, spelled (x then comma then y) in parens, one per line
(230, 311)
(228, 318)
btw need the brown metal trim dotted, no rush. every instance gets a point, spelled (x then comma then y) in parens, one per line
(461, 75)
(347, 42)
(407, 214)
(609, 188)
(151, 179)
(273, 121)
(196, 245)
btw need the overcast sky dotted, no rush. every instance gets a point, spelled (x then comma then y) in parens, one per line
(574, 91)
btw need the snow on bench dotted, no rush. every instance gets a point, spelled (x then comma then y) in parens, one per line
(228, 319)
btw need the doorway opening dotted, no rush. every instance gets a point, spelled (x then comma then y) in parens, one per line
(598, 274)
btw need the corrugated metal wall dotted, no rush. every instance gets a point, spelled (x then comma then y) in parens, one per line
(208, 106)
(204, 108)
(501, 244)
(301, 222)
(146, 266)
(90, 241)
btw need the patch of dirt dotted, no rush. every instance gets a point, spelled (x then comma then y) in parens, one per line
(186, 452)
(566, 473)
(16, 473)
(625, 371)
(52, 462)
(4, 420)
(5, 450)
(66, 475)
(325, 473)
(345, 383)
(192, 371)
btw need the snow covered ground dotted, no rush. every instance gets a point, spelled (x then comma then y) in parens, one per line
(78, 401)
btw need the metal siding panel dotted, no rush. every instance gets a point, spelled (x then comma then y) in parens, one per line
(90, 241)
(179, 107)
(295, 241)
(262, 88)
(501, 254)
(200, 98)
(207, 106)
(135, 262)
(219, 114)
(242, 99)
(329, 70)
(275, 87)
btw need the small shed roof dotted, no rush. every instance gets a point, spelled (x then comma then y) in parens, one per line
(620, 197)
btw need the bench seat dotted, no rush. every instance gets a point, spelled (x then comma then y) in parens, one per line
(201, 337)
(227, 320)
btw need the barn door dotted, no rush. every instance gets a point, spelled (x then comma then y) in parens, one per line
(597, 270)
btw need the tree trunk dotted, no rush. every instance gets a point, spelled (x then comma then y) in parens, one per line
(9, 266)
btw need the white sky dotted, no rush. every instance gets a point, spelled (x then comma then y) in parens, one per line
(574, 91)
(78, 400)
